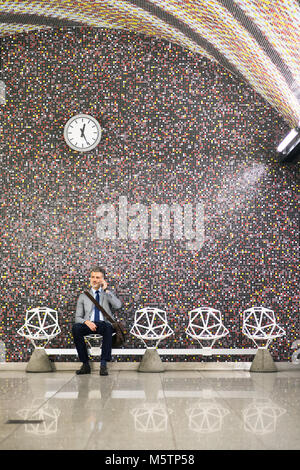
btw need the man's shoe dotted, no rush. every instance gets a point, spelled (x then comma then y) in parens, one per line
(103, 370)
(84, 369)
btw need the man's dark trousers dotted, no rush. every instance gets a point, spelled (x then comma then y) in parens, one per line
(80, 330)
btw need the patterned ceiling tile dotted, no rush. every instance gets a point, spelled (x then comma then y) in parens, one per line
(256, 40)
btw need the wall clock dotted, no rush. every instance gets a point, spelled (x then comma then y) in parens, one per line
(82, 132)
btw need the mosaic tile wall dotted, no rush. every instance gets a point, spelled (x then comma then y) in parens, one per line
(177, 129)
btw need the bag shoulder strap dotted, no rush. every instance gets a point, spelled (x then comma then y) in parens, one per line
(106, 315)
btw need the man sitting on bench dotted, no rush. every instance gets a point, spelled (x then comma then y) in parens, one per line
(89, 320)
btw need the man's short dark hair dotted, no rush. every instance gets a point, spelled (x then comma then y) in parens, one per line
(97, 269)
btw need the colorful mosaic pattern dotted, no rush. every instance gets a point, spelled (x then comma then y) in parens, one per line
(257, 40)
(177, 128)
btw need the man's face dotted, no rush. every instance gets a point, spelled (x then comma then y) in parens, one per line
(96, 280)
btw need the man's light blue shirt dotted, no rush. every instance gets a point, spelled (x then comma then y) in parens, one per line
(93, 312)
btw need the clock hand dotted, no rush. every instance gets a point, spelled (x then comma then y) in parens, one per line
(83, 135)
(82, 131)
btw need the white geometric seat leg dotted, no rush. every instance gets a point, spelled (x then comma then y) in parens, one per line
(206, 326)
(260, 325)
(41, 325)
(151, 326)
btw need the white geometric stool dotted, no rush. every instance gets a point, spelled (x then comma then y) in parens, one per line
(206, 325)
(94, 343)
(41, 325)
(95, 338)
(90, 339)
(260, 325)
(150, 325)
(296, 354)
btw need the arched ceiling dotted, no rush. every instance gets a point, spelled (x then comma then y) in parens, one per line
(257, 40)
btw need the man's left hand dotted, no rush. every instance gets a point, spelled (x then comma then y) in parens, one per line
(104, 285)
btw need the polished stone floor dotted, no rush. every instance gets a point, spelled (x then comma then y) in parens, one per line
(162, 411)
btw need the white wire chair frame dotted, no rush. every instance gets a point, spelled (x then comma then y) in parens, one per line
(41, 325)
(93, 338)
(296, 354)
(150, 324)
(206, 325)
(260, 324)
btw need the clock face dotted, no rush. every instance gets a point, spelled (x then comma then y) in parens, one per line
(82, 132)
